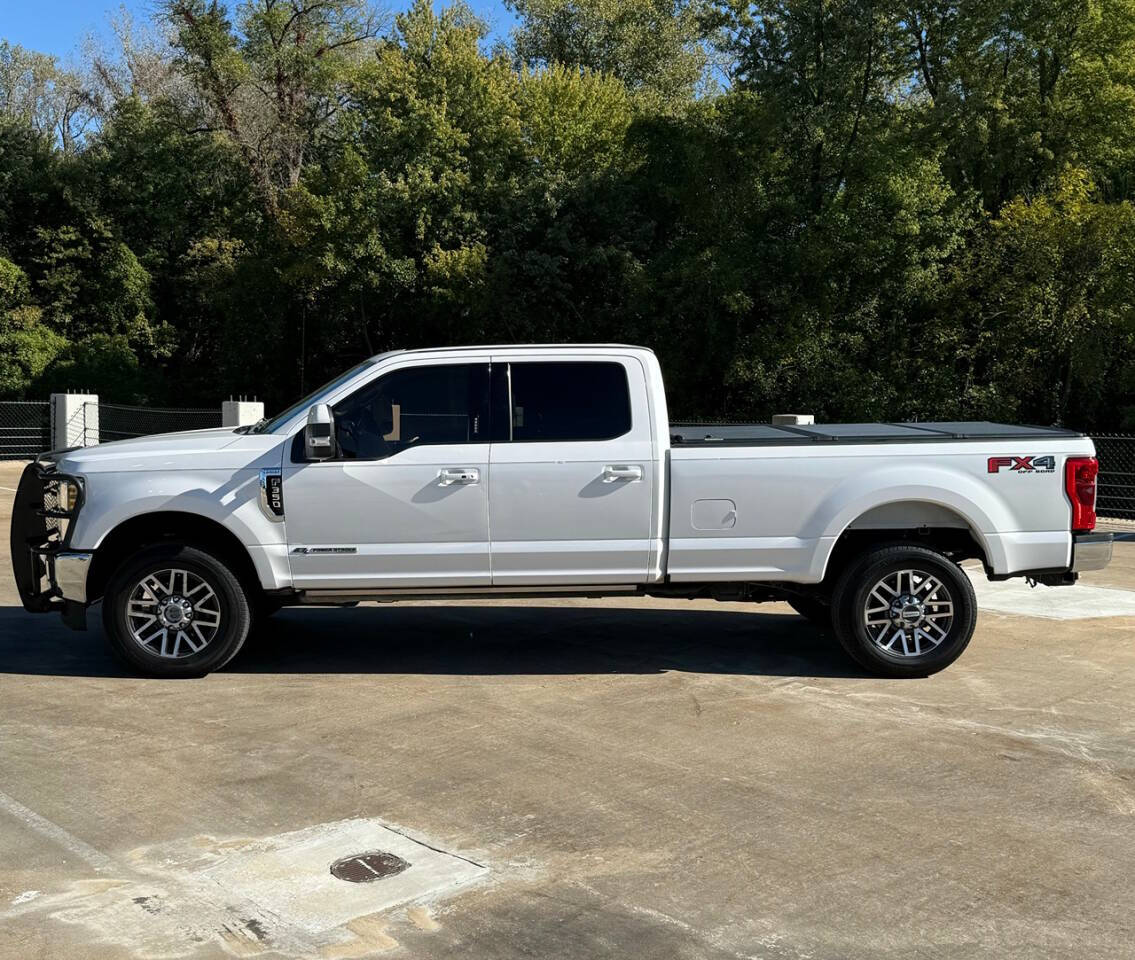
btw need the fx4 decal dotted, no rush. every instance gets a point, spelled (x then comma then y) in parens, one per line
(1023, 464)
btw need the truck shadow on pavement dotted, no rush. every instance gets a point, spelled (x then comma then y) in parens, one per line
(470, 640)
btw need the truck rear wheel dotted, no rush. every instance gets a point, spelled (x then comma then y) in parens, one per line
(904, 611)
(175, 611)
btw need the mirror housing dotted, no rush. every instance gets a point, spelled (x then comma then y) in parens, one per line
(319, 433)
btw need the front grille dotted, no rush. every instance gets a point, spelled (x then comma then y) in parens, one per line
(29, 537)
(56, 526)
(39, 528)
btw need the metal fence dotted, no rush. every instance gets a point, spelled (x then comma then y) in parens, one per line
(25, 428)
(1116, 496)
(26, 425)
(118, 422)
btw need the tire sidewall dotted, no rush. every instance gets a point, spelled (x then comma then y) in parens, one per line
(231, 599)
(852, 631)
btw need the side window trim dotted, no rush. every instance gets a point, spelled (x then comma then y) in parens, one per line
(508, 413)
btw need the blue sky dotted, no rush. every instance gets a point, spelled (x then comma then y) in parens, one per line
(58, 26)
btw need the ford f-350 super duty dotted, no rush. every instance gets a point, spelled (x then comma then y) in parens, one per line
(518, 471)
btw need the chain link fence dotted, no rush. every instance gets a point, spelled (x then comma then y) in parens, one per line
(117, 422)
(25, 428)
(1116, 496)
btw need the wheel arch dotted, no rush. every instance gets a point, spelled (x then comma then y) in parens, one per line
(169, 526)
(926, 522)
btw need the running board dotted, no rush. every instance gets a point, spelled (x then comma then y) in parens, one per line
(460, 593)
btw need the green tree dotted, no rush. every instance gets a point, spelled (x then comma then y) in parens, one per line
(53, 101)
(103, 362)
(1056, 278)
(656, 47)
(27, 346)
(396, 222)
(887, 211)
(1019, 90)
(274, 78)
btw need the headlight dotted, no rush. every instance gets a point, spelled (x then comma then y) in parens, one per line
(68, 495)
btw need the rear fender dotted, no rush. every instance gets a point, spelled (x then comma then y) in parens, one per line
(981, 508)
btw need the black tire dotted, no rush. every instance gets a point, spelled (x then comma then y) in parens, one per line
(812, 609)
(947, 612)
(228, 603)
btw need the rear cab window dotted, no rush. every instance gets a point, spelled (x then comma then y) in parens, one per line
(561, 401)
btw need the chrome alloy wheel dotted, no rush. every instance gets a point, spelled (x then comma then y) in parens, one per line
(908, 613)
(173, 614)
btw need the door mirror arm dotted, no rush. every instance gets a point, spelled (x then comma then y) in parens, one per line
(319, 434)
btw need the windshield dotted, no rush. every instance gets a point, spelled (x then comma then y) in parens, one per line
(267, 426)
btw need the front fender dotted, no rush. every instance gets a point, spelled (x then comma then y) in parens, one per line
(232, 500)
(228, 498)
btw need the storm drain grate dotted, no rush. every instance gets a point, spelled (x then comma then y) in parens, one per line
(368, 867)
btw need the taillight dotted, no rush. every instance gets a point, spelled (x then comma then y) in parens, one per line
(1080, 484)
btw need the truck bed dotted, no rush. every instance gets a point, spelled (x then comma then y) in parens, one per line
(764, 434)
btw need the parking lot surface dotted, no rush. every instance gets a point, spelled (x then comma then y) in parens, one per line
(576, 779)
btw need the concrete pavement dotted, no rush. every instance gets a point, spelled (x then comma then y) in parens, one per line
(581, 778)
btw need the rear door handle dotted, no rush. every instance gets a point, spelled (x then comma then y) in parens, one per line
(450, 475)
(621, 471)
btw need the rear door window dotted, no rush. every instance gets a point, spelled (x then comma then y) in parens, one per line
(565, 401)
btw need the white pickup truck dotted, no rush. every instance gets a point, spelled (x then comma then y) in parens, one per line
(525, 470)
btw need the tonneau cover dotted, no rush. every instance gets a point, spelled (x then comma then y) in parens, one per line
(764, 434)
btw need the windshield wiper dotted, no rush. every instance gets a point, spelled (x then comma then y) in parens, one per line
(253, 427)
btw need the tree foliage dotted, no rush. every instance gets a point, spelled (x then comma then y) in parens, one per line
(656, 47)
(856, 208)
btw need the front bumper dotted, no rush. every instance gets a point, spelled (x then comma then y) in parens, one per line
(67, 572)
(49, 575)
(1091, 551)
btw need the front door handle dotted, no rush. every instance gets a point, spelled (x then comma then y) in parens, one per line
(621, 471)
(450, 475)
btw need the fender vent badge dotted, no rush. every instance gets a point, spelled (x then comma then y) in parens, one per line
(272, 493)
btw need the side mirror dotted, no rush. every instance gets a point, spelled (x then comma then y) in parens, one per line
(319, 433)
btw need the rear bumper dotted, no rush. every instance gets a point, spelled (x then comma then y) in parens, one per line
(1091, 551)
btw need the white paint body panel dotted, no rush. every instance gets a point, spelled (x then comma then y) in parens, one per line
(408, 528)
(793, 503)
(541, 514)
(214, 474)
(557, 519)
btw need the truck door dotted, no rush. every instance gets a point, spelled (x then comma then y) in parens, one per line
(572, 472)
(405, 502)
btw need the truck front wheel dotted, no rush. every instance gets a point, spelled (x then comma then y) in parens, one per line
(175, 611)
(904, 611)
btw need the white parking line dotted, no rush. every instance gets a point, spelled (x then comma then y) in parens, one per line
(52, 831)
